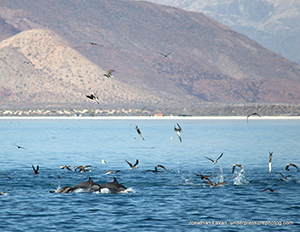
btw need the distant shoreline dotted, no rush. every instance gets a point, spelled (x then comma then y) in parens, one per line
(145, 117)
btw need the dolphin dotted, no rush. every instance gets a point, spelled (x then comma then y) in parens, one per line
(114, 187)
(66, 189)
(89, 186)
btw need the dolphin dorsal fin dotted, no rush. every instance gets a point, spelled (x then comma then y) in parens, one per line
(115, 180)
(90, 179)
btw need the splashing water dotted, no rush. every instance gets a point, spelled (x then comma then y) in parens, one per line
(240, 179)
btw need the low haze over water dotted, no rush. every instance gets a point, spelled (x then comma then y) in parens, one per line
(177, 200)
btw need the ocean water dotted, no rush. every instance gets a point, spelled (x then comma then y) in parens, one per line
(177, 200)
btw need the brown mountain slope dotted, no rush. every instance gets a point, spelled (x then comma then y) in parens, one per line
(39, 68)
(210, 62)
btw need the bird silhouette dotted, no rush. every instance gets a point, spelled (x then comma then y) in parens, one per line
(252, 115)
(109, 74)
(93, 96)
(133, 166)
(215, 161)
(178, 131)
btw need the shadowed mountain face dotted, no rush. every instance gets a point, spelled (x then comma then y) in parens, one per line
(209, 61)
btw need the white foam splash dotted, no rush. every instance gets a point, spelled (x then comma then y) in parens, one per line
(240, 179)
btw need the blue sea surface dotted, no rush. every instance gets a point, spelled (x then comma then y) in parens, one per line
(177, 200)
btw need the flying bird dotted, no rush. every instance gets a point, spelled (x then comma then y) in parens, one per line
(283, 176)
(253, 114)
(104, 161)
(206, 177)
(66, 167)
(95, 44)
(139, 132)
(215, 161)
(213, 184)
(178, 131)
(287, 167)
(156, 170)
(270, 162)
(269, 189)
(35, 170)
(82, 168)
(167, 54)
(133, 166)
(111, 172)
(109, 74)
(20, 147)
(93, 96)
(236, 165)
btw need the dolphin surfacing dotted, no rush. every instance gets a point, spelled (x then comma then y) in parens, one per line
(91, 186)
(114, 187)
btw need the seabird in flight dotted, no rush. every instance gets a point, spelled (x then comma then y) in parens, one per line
(205, 176)
(167, 54)
(269, 189)
(95, 44)
(178, 131)
(93, 96)
(270, 162)
(155, 169)
(236, 165)
(66, 167)
(214, 161)
(111, 172)
(109, 74)
(18, 146)
(133, 166)
(213, 184)
(82, 168)
(139, 132)
(287, 167)
(36, 170)
(252, 115)
(283, 176)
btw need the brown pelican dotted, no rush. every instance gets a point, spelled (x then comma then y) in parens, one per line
(269, 189)
(139, 132)
(66, 167)
(215, 161)
(36, 170)
(252, 115)
(93, 96)
(133, 166)
(178, 131)
(236, 165)
(155, 169)
(287, 167)
(109, 74)
(166, 55)
(270, 161)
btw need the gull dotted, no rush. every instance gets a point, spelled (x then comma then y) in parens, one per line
(269, 189)
(166, 55)
(18, 146)
(252, 115)
(283, 176)
(270, 161)
(109, 74)
(155, 169)
(139, 132)
(36, 170)
(205, 176)
(27, 62)
(95, 44)
(287, 167)
(133, 166)
(111, 172)
(214, 161)
(178, 131)
(66, 167)
(93, 96)
(236, 165)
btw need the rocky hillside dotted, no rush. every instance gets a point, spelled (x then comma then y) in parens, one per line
(51, 62)
(272, 23)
